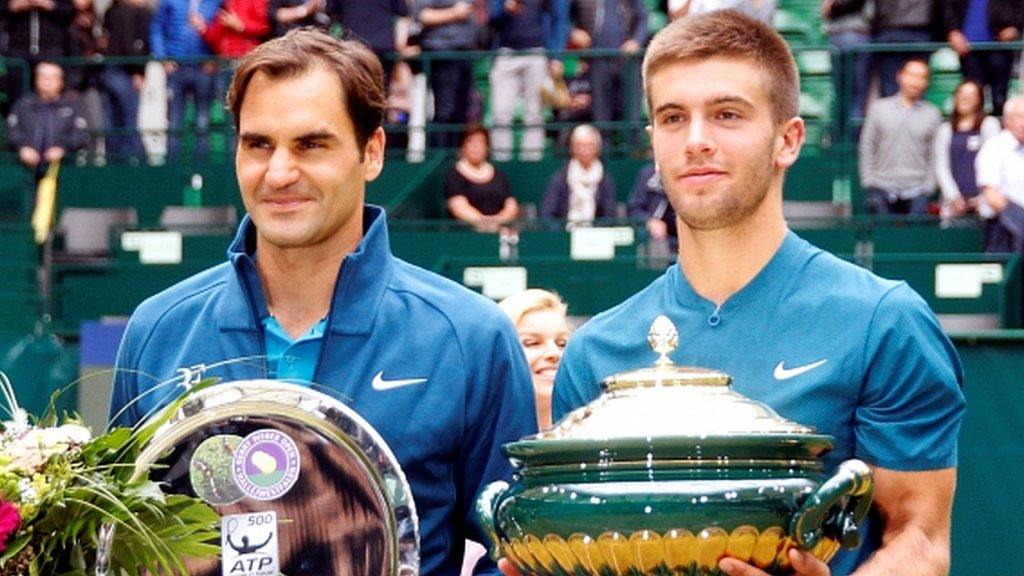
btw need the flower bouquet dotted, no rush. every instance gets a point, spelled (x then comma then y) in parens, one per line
(61, 490)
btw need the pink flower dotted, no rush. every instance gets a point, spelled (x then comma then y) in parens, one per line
(10, 519)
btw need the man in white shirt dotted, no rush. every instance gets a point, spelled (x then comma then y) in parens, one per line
(1000, 172)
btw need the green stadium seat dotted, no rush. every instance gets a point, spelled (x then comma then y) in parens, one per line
(814, 62)
(20, 310)
(793, 28)
(944, 60)
(926, 237)
(813, 106)
(940, 91)
(996, 304)
(17, 191)
(589, 286)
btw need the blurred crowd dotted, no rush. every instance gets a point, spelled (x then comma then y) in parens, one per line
(906, 149)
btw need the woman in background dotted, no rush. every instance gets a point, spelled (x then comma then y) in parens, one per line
(956, 145)
(540, 320)
(476, 192)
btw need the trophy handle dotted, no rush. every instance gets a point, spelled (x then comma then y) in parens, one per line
(486, 505)
(820, 515)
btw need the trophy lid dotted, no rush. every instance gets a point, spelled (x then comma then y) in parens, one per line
(670, 400)
(668, 412)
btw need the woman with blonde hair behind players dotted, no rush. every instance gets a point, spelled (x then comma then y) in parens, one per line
(540, 320)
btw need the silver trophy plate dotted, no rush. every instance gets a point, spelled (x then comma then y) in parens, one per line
(304, 485)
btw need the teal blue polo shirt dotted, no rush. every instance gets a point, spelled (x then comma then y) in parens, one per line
(289, 359)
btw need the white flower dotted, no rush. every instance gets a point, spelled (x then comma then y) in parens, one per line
(68, 434)
(27, 492)
(18, 425)
(32, 450)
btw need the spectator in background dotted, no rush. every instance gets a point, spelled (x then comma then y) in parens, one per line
(969, 21)
(540, 320)
(126, 30)
(175, 34)
(475, 191)
(649, 203)
(374, 22)
(582, 191)
(86, 79)
(286, 15)
(848, 27)
(763, 10)
(46, 125)
(895, 151)
(238, 27)
(1000, 169)
(899, 22)
(617, 25)
(569, 98)
(521, 25)
(34, 30)
(957, 143)
(448, 25)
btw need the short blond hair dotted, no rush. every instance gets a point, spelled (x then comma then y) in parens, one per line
(730, 34)
(530, 300)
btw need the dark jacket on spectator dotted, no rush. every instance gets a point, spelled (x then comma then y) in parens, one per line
(895, 14)
(37, 34)
(126, 27)
(556, 202)
(317, 19)
(41, 125)
(622, 20)
(539, 24)
(372, 21)
(460, 35)
(648, 200)
(1001, 14)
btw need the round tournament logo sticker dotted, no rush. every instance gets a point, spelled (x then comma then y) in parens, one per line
(211, 470)
(266, 464)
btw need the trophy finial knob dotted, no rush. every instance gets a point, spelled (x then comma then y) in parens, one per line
(664, 339)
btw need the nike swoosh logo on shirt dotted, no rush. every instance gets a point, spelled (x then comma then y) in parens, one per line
(379, 383)
(782, 373)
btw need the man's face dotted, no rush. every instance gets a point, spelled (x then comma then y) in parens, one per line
(1013, 120)
(715, 143)
(49, 81)
(298, 163)
(585, 147)
(913, 80)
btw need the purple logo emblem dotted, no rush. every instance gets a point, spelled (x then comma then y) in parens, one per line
(266, 464)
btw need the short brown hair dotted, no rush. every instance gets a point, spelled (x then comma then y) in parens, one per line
(300, 51)
(730, 34)
(473, 129)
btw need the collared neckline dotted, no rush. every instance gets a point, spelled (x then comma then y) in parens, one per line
(359, 286)
(787, 253)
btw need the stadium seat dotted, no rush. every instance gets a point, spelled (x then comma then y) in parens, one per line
(793, 28)
(85, 232)
(199, 220)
